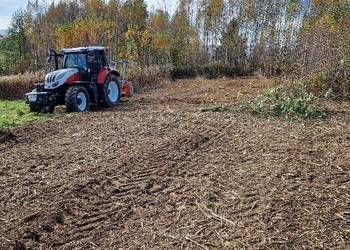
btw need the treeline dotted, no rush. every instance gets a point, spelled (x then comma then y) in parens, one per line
(300, 37)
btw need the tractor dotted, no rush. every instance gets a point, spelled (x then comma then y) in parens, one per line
(85, 77)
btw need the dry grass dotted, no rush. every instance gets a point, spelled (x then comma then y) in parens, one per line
(16, 86)
(149, 78)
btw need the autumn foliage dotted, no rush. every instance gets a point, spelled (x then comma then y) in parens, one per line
(306, 39)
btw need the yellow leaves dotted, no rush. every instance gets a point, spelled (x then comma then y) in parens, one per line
(215, 7)
(95, 5)
(159, 22)
(146, 38)
(213, 12)
(328, 3)
(135, 42)
(161, 41)
(318, 2)
(131, 33)
(328, 23)
(83, 32)
(328, 15)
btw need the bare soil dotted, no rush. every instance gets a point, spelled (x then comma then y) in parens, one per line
(181, 167)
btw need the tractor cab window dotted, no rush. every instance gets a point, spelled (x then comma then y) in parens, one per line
(97, 60)
(75, 60)
(103, 57)
(93, 62)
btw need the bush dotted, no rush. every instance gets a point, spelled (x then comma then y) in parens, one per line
(290, 101)
(183, 72)
(209, 71)
(333, 82)
(148, 78)
(217, 70)
(16, 86)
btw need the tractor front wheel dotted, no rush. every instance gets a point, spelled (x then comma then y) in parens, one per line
(111, 92)
(34, 108)
(77, 99)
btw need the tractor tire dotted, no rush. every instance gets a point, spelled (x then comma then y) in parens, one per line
(111, 92)
(77, 99)
(34, 108)
(48, 109)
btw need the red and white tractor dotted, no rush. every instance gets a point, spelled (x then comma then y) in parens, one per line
(85, 77)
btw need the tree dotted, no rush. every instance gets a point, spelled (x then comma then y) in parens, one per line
(233, 48)
(17, 34)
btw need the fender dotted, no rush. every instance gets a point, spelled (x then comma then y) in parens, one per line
(115, 73)
(102, 76)
(73, 79)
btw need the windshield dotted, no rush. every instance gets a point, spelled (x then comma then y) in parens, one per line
(75, 60)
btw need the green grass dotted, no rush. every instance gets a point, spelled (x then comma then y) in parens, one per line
(16, 113)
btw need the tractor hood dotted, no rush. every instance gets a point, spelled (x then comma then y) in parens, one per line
(57, 78)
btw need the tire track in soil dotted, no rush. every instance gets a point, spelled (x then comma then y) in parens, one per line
(146, 180)
(257, 172)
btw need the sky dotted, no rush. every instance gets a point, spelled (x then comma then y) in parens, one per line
(8, 7)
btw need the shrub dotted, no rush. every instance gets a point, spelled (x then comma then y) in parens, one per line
(183, 72)
(209, 71)
(333, 82)
(291, 101)
(148, 78)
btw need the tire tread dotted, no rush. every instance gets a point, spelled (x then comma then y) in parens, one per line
(71, 98)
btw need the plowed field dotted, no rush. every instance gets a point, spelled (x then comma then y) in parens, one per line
(181, 167)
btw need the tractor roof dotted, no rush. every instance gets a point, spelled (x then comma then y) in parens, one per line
(82, 49)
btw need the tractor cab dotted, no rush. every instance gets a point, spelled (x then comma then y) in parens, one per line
(84, 76)
(89, 61)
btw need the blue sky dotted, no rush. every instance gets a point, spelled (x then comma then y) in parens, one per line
(8, 7)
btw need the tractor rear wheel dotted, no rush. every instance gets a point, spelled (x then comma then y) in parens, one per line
(77, 99)
(111, 92)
